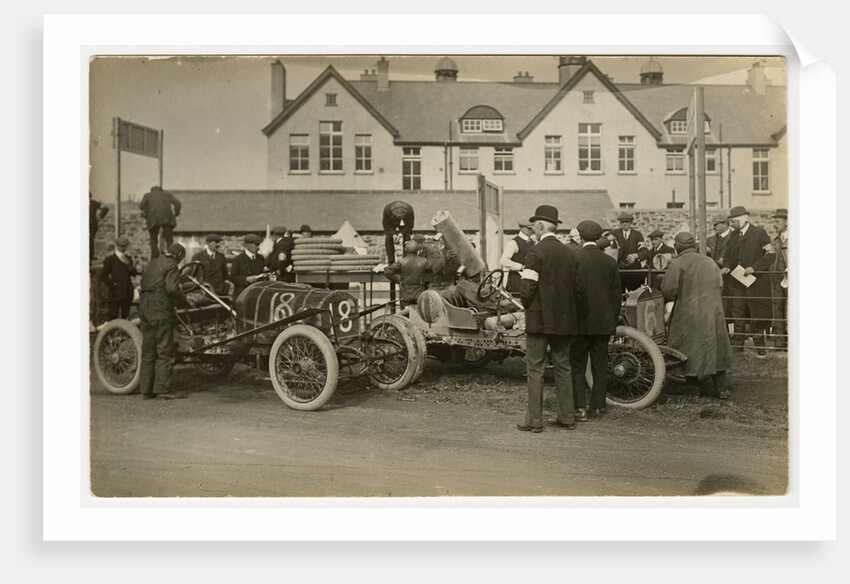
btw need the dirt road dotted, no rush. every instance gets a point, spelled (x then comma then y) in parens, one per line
(451, 434)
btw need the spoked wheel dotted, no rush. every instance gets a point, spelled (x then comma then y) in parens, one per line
(396, 356)
(490, 285)
(635, 369)
(191, 276)
(471, 357)
(118, 356)
(303, 367)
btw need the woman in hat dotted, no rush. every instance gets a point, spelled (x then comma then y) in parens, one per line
(697, 325)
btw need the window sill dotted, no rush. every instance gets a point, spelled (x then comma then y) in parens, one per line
(627, 172)
(762, 193)
(331, 172)
(467, 172)
(504, 172)
(590, 172)
(675, 173)
(553, 172)
(299, 172)
(364, 172)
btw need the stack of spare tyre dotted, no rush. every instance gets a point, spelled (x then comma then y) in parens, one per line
(327, 254)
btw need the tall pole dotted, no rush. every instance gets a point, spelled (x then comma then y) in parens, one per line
(692, 195)
(116, 129)
(700, 149)
(161, 143)
(720, 161)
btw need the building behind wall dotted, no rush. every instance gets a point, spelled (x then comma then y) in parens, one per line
(623, 143)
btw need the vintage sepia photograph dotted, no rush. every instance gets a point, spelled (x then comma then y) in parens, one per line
(438, 275)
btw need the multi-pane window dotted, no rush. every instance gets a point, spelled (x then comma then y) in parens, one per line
(678, 126)
(330, 99)
(299, 153)
(587, 97)
(363, 153)
(471, 125)
(411, 169)
(553, 154)
(330, 146)
(503, 160)
(627, 154)
(675, 161)
(590, 147)
(711, 160)
(491, 125)
(761, 170)
(468, 159)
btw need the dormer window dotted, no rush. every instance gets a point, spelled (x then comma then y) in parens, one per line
(677, 122)
(678, 126)
(481, 118)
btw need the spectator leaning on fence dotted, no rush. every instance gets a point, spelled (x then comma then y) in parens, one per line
(752, 250)
(697, 327)
(779, 280)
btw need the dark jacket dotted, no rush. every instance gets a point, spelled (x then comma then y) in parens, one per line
(523, 245)
(598, 292)
(627, 247)
(241, 267)
(160, 292)
(215, 270)
(390, 221)
(749, 251)
(409, 274)
(160, 207)
(549, 300)
(280, 257)
(116, 275)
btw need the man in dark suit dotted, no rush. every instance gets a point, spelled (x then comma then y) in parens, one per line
(117, 270)
(215, 265)
(628, 241)
(751, 249)
(160, 210)
(247, 267)
(598, 298)
(547, 291)
(280, 257)
(656, 256)
(717, 248)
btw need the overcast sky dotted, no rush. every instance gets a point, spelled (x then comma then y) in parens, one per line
(212, 109)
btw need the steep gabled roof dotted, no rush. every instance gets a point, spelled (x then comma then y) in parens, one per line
(329, 73)
(589, 67)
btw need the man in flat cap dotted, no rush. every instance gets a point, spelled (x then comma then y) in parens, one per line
(513, 258)
(779, 279)
(717, 248)
(116, 274)
(752, 250)
(397, 217)
(697, 326)
(247, 267)
(160, 295)
(160, 210)
(547, 291)
(215, 265)
(656, 256)
(598, 299)
(628, 241)
(280, 258)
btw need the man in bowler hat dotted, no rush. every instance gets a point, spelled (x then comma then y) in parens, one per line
(547, 291)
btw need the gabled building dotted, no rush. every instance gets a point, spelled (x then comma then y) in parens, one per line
(585, 143)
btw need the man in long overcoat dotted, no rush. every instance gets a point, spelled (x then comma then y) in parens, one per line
(717, 248)
(116, 274)
(160, 210)
(598, 299)
(696, 326)
(547, 291)
(751, 249)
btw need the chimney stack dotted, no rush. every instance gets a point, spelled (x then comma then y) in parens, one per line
(521, 77)
(568, 67)
(278, 88)
(383, 74)
(756, 79)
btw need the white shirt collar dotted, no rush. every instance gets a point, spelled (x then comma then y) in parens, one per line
(547, 234)
(745, 228)
(249, 254)
(725, 233)
(589, 244)
(524, 236)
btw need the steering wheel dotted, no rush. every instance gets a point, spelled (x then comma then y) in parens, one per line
(192, 270)
(490, 285)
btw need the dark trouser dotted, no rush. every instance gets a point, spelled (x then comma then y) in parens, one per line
(535, 359)
(158, 355)
(718, 381)
(595, 347)
(751, 317)
(167, 236)
(118, 309)
(389, 244)
(780, 315)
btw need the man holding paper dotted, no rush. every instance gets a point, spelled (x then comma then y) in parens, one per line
(750, 252)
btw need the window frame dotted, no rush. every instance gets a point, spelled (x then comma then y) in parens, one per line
(410, 156)
(303, 157)
(330, 100)
(711, 155)
(674, 154)
(626, 145)
(363, 154)
(503, 157)
(471, 126)
(470, 155)
(765, 162)
(332, 148)
(587, 96)
(590, 136)
(553, 145)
